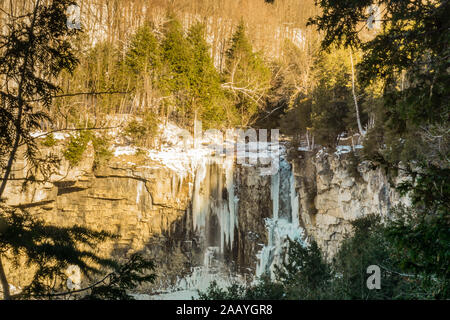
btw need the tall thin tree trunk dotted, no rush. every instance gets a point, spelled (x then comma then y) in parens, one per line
(358, 119)
(307, 139)
(12, 157)
(4, 281)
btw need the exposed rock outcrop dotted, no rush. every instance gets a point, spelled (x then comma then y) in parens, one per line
(335, 190)
(216, 207)
(146, 204)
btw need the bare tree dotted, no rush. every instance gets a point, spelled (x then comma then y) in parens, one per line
(355, 99)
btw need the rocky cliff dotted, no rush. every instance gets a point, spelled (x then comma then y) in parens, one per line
(144, 202)
(212, 214)
(335, 189)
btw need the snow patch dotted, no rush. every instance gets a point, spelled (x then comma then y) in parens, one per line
(56, 135)
(124, 150)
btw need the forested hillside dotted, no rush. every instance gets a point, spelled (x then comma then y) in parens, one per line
(370, 75)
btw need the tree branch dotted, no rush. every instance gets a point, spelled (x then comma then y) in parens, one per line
(67, 292)
(81, 94)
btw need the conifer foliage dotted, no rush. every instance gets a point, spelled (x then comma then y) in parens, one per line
(247, 77)
(34, 49)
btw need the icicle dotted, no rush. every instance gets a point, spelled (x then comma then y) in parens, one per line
(140, 186)
(139, 194)
(275, 194)
(229, 209)
(199, 201)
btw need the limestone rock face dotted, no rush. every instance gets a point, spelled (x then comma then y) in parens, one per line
(333, 192)
(145, 205)
(176, 218)
(150, 207)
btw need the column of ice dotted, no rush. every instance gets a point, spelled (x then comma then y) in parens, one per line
(284, 223)
(203, 207)
(139, 193)
(200, 201)
(228, 209)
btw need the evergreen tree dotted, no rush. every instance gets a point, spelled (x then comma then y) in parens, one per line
(190, 76)
(48, 249)
(420, 234)
(34, 49)
(367, 246)
(246, 75)
(143, 64)
(177, 67)
(143, 67)
(100, 73)
(408, 55)
(208, 99)
(143, 54)
(305, 274)
(331, 97)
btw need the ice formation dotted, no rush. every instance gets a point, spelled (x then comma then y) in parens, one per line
(214, 200)
(284, 223)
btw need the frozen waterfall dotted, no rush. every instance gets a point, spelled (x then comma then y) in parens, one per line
(284, 223)
(214, 204)
(214, 219)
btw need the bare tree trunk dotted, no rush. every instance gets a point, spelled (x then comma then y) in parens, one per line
(195, 129)
(358, 119)
(12, 157)
(4, 282)
(307, 139)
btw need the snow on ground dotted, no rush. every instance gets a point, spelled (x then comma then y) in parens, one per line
(346, 149)
(174, 136)
(183, 153)
(180, 161)
(342, 150)
(178, 149)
